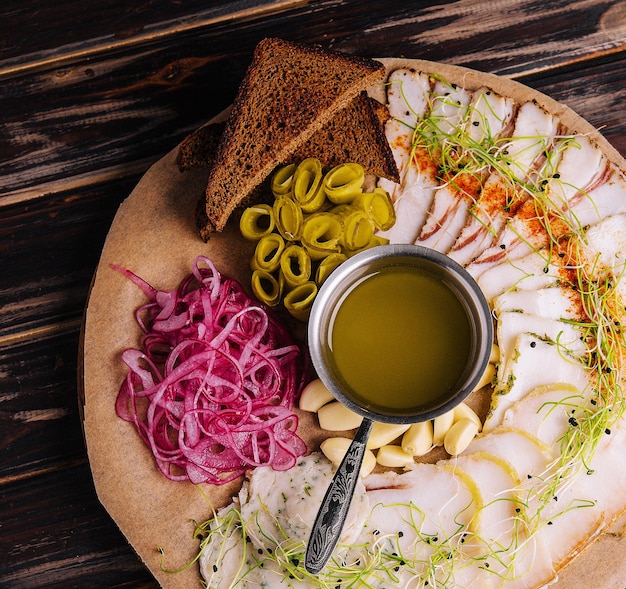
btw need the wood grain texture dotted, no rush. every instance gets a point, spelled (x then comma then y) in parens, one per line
(91, 95)
(49, 252)
(45, 33)
(119, 108)
(56, 534)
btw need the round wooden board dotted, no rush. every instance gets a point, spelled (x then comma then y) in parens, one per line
(153, 235)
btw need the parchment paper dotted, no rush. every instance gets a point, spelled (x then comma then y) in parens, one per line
(153, 235)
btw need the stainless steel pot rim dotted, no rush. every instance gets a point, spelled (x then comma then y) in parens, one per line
(365, 263)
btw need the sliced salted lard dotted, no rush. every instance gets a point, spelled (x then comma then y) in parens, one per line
(293, 505)
(408, 95)
(588, 503)
(534, 135)
(518, 568)
(444, 500)
(497, 483)
(489, 115)
(605, 198)
(551, 303)
(581, 167)
(446, 217)
(602, 248)
(511, 324)
(537, 270)
(449, 107)
(547, 411)
(531, 364)
(412, 198)
(223, 556)
(417, 513)
(502, 547)
(535, 130)
(604, 195)
(413, 99)
(526, 454)
(277, 510)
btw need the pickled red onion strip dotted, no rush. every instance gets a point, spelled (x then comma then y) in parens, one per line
(212, 386)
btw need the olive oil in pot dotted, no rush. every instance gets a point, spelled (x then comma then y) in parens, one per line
(400, 340)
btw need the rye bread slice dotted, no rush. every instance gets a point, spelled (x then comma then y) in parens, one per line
(289, 91)
(198, 149)
(355, 134)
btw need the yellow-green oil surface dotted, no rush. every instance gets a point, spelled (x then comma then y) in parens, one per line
(400, 340)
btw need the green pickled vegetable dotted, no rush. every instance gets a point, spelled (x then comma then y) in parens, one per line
(266, 288)
(327, 265)
(288, 218)
(344, 182)
(282, 180)
(268, 252)
(295, 266)
(300, 300)
(378, 207)
(257, 221)
(307, 185)
(376, 240)
(358, 229)
(321, 235)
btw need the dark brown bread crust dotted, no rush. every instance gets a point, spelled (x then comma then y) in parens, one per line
(355, 134)
(262, 193)
(199, 148)
(289, 91)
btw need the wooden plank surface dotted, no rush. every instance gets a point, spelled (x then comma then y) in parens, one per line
(122, 106)
(91, 94)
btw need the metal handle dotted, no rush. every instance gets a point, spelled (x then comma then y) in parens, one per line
(333, 511)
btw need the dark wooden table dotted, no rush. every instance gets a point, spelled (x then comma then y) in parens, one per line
(91, 94)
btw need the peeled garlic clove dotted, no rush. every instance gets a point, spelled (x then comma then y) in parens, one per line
(487, 377)
(314, 396)
(393, 456)
(494, 357)
(459, 436)
(418, 439)
(441, 425)
(385, 433)
(336, 417)
(335, 449)
(463, 411)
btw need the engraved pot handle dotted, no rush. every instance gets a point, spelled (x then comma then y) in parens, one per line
(333, 511)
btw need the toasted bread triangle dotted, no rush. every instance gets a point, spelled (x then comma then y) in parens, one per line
(355, 134)
(289, 91)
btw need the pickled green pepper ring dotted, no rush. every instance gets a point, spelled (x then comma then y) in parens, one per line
(266, 288)
(295, 266)
(300, 300)
(288, 218)
(267, 253)
(321, 235)
(282, 180)
(307, 185)
(257, 221)
(344, 182)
